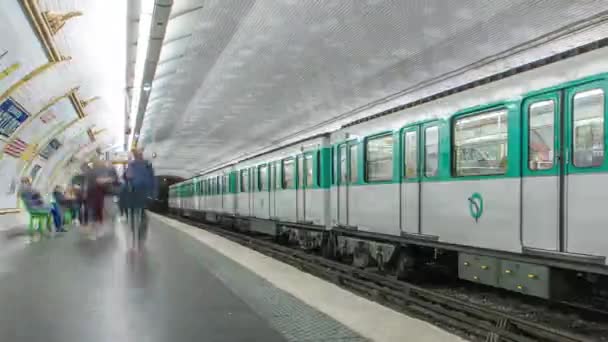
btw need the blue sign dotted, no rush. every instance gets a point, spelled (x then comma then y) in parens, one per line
(12, 115)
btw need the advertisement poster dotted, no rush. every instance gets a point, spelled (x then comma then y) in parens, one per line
(12, 115)
(34, 171)
(50, 149)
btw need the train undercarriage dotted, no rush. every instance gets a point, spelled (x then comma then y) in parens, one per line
(413, 261)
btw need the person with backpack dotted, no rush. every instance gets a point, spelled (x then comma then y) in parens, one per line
(141, 185)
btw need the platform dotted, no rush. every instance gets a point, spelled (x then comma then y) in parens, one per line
(189, 285)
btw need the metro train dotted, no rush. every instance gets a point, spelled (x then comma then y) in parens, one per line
(504, 183)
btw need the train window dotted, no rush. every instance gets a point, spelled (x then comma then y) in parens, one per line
(343, 166)
(300, 172)
(288, 181)
(354, 174)
(272, 176)
(379, 158)
(263, 178)
(411, 154)
(308, 170)
(431, 151)
(480, 144)
(244, 180)
(588, 128)
(334, 166)
(277, 176)
(224, 184)
(318, 160)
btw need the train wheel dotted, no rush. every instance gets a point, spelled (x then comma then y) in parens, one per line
(328, 246)
(405, 264)
(380, 262)
(361, 257)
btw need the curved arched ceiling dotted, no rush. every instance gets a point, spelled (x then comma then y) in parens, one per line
(236, 76)
(62, 67)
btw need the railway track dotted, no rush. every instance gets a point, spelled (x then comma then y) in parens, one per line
(474, 322)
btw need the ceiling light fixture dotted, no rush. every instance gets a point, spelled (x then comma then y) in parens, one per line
(145, 26)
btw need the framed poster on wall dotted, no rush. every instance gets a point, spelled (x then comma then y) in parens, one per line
(12, 115)
(50, 148)
(34, 172)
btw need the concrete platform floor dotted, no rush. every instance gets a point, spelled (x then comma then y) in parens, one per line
(71, 288)
(188, 285)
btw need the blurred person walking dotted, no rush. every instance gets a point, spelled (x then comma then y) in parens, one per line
(96, 183)
(141, 185)
(85, 212)
(111, 187)
(123, 196)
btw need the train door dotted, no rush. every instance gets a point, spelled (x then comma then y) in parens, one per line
(300, 193)
(543, 172)
(195, 194)
(308, 187)
(342, 183)
(273, 187)
(353, 178)
(278, 185)
(563, 173)
(410, 186)
(224, 192)
(287, 201)
(218, 193)
(200, 196)
(264, 195)
(243, 197)
(253, 188)
(586, 169)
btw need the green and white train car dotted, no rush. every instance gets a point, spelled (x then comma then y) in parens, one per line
(286, 188)
(506, 181)
(209, 196)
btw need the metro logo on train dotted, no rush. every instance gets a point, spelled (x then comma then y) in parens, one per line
(476, 206)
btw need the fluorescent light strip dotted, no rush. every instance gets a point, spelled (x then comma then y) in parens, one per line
(145, 21)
